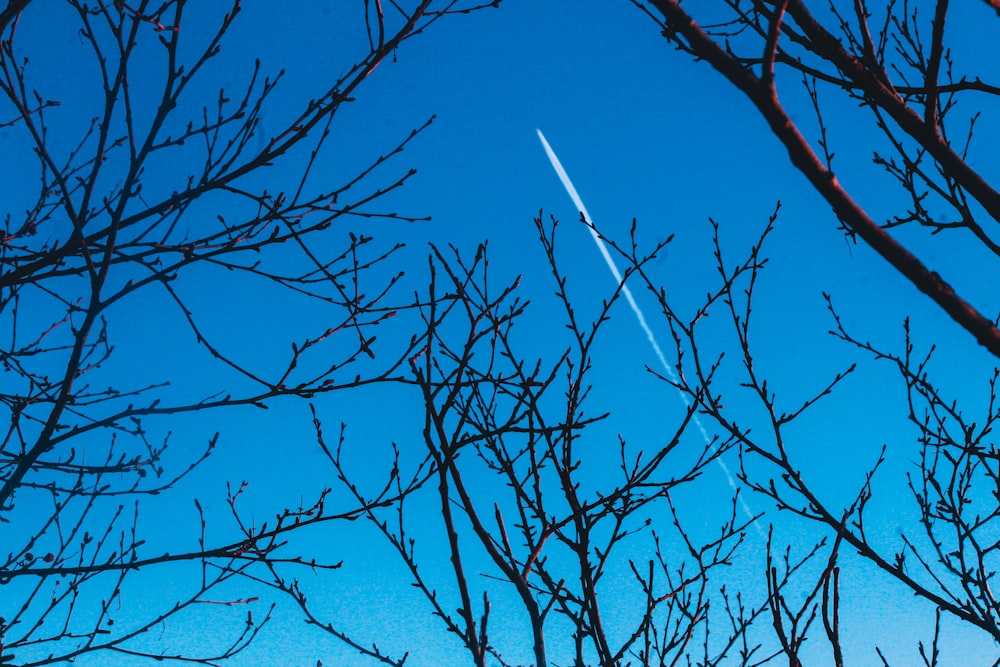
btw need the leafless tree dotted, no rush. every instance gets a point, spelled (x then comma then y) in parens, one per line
(925, 101)
(147, 192)
(531, 534)
(539, 526)
(523, 418)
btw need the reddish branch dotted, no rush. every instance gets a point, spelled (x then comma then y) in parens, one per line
(11, 12)
(763, 94)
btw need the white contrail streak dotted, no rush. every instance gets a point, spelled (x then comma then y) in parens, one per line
(671, 374)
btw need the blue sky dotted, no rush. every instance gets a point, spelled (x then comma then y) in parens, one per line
(644, 133)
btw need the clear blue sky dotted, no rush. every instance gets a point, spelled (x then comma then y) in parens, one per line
(644, 133)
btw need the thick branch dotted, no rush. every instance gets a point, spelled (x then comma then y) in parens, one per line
(803, 157)
(11, 12)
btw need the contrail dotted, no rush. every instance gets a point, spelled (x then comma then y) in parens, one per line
(671, 374)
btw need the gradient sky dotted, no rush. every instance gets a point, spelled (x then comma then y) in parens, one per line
(644, 133)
